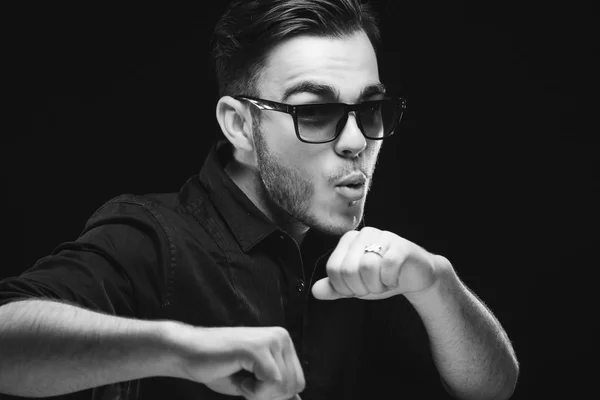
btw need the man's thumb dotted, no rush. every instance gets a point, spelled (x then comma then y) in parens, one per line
(323, 290)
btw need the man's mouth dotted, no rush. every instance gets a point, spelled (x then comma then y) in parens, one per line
(352, 191)
(354, 179)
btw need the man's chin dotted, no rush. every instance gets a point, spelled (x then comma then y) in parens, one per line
(336, 224)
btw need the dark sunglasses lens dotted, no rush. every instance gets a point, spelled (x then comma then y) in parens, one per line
(318, 123)
(379, 118)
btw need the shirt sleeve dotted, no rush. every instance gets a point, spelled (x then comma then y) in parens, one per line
(119, 265)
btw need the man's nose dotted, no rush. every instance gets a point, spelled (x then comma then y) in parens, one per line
(351, 141)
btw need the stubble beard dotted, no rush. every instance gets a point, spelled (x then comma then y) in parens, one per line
(288, 192)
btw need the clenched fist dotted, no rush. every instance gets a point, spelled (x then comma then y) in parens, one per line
(372, 264)
(254, 362)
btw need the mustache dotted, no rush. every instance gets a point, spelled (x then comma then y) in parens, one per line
(364, 169)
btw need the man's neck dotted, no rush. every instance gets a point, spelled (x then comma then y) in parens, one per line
(248, 181)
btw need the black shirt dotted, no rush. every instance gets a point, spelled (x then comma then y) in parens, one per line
(207, 256)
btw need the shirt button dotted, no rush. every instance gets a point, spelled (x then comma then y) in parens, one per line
(300, 285)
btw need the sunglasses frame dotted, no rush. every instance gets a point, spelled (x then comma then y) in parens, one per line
(268, 105)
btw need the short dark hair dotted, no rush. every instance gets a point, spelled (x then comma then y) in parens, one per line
(249, 29)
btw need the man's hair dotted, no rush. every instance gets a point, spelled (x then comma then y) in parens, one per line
(249, 29)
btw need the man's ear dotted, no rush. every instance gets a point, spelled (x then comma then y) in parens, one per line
(235, 121)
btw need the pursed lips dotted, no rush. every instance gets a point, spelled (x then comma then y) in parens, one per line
(352, 187)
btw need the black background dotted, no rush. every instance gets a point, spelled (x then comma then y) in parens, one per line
(492, 167)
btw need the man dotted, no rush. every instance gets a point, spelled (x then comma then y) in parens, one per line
(204, 294)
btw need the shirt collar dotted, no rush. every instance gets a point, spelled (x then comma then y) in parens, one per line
(248, 224)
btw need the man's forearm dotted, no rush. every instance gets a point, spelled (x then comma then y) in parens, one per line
(49, 348)
(471, 350)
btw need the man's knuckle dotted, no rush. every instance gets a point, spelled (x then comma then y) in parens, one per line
(369, 229)
(347, 272)
(280, 332)
(350, 234)
(277, 337)
(369, 267)
(387, 235)
(393, 259)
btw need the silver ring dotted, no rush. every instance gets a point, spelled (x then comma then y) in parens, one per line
(373, 248)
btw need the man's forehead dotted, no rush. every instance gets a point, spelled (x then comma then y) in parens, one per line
(346, 64)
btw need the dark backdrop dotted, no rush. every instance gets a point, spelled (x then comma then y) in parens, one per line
(492, 165)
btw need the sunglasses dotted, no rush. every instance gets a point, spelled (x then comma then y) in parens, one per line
(323, 123)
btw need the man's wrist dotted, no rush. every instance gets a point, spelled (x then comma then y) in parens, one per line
(170, 349)
(446, 282)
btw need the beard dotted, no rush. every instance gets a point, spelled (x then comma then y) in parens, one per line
(288, 192)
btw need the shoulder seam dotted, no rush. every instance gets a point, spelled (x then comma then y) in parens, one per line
(158, 217)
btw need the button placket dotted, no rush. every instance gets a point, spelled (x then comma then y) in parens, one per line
(297, 265)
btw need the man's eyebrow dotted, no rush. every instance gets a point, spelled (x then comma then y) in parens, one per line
(372, 90)
(311, 87)
(329, 91)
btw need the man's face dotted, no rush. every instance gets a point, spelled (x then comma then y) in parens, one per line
(301, 178)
